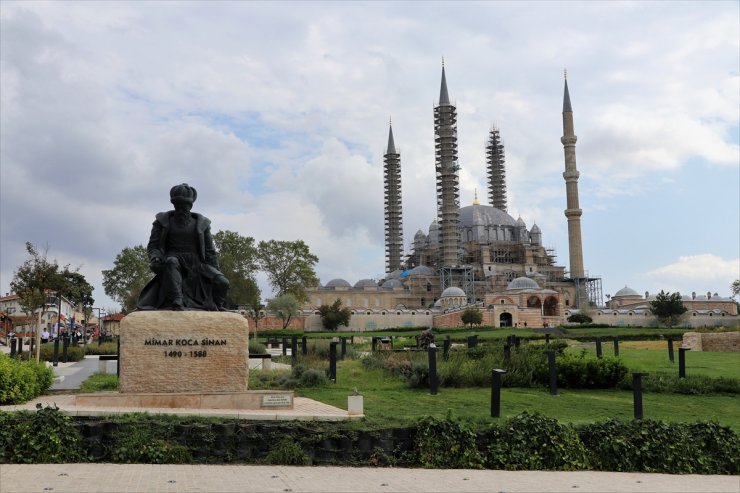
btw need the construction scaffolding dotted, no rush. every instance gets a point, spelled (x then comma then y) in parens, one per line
(496, 170)
(393, 210)
(462, 276)
(588, 292)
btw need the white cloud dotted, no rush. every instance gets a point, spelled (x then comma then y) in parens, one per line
(698, 273)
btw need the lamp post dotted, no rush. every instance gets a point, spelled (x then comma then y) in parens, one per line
(100, 323)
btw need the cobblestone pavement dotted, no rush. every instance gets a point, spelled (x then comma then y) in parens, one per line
(115, 478)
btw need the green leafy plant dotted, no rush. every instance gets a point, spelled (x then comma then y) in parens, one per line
(21, 381)
(447, 443)
(287, 452)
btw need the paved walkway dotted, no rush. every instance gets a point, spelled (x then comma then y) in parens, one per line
(115, 478)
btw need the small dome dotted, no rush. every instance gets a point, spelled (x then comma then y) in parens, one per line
(520, 222)
(452, 291)
(536, 229)
(434, 225)
(419, 235)
(395, 274)
(338, 283)
(522, 283)
(625, 291)
(366, 283)
(422, 270)
(392, 283)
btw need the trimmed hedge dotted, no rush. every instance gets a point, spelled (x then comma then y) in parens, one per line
(526, 441)
(21, 381)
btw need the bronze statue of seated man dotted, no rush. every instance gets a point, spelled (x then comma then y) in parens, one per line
(182, 255)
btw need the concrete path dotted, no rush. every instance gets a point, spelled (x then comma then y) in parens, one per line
(75, 373)
(84, 478)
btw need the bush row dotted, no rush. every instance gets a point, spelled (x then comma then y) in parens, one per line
(21, 381)
(524, 442)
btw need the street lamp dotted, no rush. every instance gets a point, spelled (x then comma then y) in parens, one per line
(100, 322)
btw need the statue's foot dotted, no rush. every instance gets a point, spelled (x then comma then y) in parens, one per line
(177, 307)
(222, 309)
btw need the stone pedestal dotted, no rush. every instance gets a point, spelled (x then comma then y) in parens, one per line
(181, 352)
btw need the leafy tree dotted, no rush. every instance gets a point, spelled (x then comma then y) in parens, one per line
(127, 278)
(32, 280)
(255, 314)
(735, 287)
(237, 259)
(580, 318)
(668, 308)
(332, 316)
(472, 316)
(285, 306)
(289, 266)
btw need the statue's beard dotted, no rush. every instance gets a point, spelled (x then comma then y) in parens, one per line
(182, 217)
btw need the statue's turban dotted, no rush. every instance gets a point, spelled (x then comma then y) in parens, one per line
(183, 193)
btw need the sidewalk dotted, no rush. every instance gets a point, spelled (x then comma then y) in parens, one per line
(103, 478)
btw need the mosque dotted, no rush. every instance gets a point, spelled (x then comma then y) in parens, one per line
(477, 254)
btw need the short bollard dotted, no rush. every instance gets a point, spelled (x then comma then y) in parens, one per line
(472, 341)
(56, 352)
(517, 341)
(547, 338)
(616, 345)
(598, 347)
(496, 392)
(433, 381)
(13, 346)
(285, 346)
(553, 372)
(118, 353)
(294, 349)
(333, 361)
(20, 346)
(682, 361)
(344, 348)
(637, 393)
(507, 350)
(670, 349)
(375, 344)
(65, 345)
(304, 345)
(446, 345)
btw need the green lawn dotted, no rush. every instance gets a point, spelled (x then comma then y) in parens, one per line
(389, 401)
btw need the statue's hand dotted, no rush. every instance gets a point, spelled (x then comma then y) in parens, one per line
(155, 264)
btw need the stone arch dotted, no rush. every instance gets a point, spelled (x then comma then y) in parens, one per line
(534, 302)
(550, 308)
(505, 320)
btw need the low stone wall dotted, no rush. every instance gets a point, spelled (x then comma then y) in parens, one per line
(721, 342)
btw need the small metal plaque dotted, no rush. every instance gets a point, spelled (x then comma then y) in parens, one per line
(274, 400)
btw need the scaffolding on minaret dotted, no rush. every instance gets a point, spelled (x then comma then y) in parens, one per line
(496, 170)
(393, 210)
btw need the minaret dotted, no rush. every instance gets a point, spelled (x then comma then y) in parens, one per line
(393, 212)
(496, 171)
(573, 212)
(448, 193)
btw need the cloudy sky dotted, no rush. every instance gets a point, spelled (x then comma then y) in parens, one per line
(277, 113)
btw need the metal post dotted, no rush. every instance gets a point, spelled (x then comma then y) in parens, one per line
(472, 341)
(507, 350)
(118, 354)
(670, 349)
(65, 345)
(13, 346)
(517, 341)
(637, 393)
(285, 346)
(682, 361)
(547, 338)
(344, 348)
(294, 348)
(616, 345)
(446, 346)
(553, 373)
(20, 346)
(598, 347)
(496, 392)
(304, 345)
(433, 381)
(56, 350)
(333, 361)
(375, 343)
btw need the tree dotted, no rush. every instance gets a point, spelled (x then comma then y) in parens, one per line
(127, 278)
(580, 318)
(472, 316)
(285, 306)
(32, 280)
(288, 265)
(237, 259)
(668, 308)
(735, 287)
(332, 316)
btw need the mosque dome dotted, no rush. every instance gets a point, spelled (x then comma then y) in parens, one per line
(452, 291)
(366, 283)
(535, 229)
(419, 235)
(522, 283)
(422, 270)
(625, 291)
(434, 226)
(484, 215)
(338, 283)
(520, 223)
(392, 283)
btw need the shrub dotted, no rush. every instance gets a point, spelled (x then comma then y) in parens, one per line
(110, 347)
(139, 442)
(534, 442)
(580, 372)
(74, 353)
(286, 452)
(256, 347)
(45, 436)
(312, 378)
(21, 381)
(446, 443)
(580, 318)
(691, 385)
